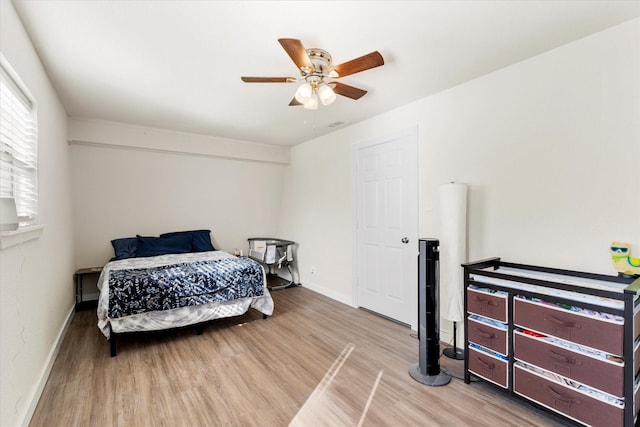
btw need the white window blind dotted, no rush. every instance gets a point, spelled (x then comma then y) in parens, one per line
(18, 146)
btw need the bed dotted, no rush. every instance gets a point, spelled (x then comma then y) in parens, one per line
(175, 280)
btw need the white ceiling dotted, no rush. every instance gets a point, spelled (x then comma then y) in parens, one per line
(177, 64)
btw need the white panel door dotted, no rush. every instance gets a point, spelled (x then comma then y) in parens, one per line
(386, 178)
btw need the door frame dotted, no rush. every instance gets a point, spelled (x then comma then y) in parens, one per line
(412, 134)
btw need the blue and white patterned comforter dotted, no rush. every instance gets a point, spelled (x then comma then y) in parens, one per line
(177, 290)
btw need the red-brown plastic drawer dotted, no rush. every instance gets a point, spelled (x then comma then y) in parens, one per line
(487, 336)
(597, 373)
(561, 323)
(487, 305)
(636, 361)
(636, 325)
(488, 367)
(567, 401)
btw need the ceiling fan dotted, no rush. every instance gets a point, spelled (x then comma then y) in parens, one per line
(318, 74)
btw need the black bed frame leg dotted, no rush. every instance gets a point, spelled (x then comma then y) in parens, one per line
(264, 316)
(112, 342)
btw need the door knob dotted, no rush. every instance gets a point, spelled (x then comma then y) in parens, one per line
(405, 240)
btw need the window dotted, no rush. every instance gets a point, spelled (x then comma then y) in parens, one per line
(18, 145)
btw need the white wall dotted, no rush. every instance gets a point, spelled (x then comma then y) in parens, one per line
(36, 277)
(550, 148)
(122, 188)
(316, 213)
(113, 134)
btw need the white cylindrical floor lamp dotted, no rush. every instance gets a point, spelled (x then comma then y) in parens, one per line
(453, 252)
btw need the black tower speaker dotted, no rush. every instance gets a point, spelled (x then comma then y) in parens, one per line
(427, 370)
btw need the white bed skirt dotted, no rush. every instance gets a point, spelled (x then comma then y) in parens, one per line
(185, 316)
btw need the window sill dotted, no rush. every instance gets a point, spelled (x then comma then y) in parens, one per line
(19, 236)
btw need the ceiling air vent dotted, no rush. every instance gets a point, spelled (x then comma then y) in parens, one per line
(335, 124)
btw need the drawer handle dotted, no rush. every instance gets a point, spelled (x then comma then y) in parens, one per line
(488, 365)
(563, 358)
(566, 323)
(560, 396)
(487, 301)
(486, 335)
(560, 357)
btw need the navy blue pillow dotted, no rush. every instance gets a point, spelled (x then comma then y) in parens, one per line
(125, 248)
(152, 246)
(201, 239)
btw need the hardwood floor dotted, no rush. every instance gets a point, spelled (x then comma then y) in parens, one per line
(315, 362)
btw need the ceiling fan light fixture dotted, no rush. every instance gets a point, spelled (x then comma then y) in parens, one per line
(304, 93)
(318, 74)
(326, 94)
(312, 102)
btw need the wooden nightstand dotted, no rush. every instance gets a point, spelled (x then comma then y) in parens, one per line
(79, 277)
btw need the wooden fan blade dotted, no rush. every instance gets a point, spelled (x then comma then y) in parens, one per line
(366, 62)
(348, 91)
(298, 54)
(294, 102)
(269, 79)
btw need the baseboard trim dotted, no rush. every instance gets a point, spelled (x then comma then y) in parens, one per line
(46, 371)
(446, 332)
(345, 299)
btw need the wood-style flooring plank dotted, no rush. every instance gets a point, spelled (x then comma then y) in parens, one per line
(315, 362)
